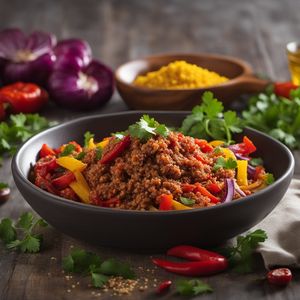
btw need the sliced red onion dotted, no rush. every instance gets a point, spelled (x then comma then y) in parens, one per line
(83, 89)
(240, 191)
(27, 58)
(230, 189)
(242, 157)
(251, 171)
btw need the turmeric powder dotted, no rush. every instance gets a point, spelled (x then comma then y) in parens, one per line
(180, 75)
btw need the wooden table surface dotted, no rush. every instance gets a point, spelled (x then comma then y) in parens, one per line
(118, 31)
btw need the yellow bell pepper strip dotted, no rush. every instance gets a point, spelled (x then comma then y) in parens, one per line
(80, 178)
(228, 153)
(256, 184)
(70, 163)
(216, 143)
(179, 206)
(242, 177)
(103, 143)
(91, 144)
(81, 191)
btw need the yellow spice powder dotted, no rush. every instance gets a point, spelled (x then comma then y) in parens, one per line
(180, 75)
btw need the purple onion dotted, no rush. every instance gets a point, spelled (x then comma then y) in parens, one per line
(230, 189)
(80, 87)
(26, 58)
(251, 171)
(240, 191)
(242, 157)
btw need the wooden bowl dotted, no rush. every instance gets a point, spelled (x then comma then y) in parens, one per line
(239, 72)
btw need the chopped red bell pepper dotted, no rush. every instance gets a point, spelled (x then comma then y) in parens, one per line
(24, 97)
(204, 145)
(214, 188)
(63, 181)
(116, 150)
(193, 253)
(283, 89)
(193, 268)
(46, 165)
(46, 150)
(187, 188)
(166, 202)
(202, 190)
(249, 146)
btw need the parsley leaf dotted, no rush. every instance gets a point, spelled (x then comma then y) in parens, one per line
(87, 136)
(68, 149)
(256, 162)
(98, 280)
(221, 162)
(146, 128)
(208, 121)
(99, 151)
(116, 268)
(187, 201)
(81, 155)
(241, 255)
(269, 178)
(21, 235)
(192, 287)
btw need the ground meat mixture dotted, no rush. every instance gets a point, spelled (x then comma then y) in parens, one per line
(146, 170)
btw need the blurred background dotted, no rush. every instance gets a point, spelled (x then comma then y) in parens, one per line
(118, 31)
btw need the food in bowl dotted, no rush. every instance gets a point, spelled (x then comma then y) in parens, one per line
(149, 167)
(180, 75)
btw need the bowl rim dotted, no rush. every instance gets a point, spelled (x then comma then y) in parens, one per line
(65, 202)
(246, 67)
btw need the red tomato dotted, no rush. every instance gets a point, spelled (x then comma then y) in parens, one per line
(281, 276)
(283, 89)
(46, 150)
(165, 202)
(24, 97)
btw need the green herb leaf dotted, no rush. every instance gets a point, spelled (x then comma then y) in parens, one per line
(25, 221)
(146, 128)
(98, 280)
(116, 268)
(87, 136)
(256, 162)
(192, 287)
(269, 178)
(221, 162)
(31, 244)
(3, 185)
(67, 150)
(7, 231)
(99, 152)
(187, 201)
(81, 155)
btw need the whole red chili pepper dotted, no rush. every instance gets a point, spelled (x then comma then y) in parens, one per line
(193, 268)
(281, 276)
(116, 150)
(164, 286)
(194, 253)
(24, 97)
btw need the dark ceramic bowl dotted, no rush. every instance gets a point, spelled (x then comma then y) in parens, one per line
(148, 230)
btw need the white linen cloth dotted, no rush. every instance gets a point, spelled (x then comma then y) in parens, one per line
(282, 225)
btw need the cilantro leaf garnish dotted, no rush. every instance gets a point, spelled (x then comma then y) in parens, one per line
(90, 264)
(241, 255)
(192, 287)
(21, 235)
(269, 179)
(146, 128)
(209, 121)
(256, 162)
(67, 150)
(221, 162)
(187, 201)
(99, 151)
(81, 155)
(87, 136)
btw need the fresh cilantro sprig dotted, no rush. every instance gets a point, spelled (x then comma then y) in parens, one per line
(90, 264)
(276, 116)
(192, 287)
(269, 179)
(87, 136)
(187, 201)
(257, 161)
(209, 121)
(221, 162)
(146, 128)
(241, 255)
(68, 149)
(21, 235)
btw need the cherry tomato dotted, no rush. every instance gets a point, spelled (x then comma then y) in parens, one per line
(283, 89)
(281, 276)
(24, 97)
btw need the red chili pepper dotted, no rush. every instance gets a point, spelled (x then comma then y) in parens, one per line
(46, 150)
(202, 190)
(63, 181)
(164, 286)
(214, 188)
(281, 276)
(193, 268)
(24, 97)
(283, 89)
(194, 253)
(204, 145)
(166, 202)
(116, 151)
